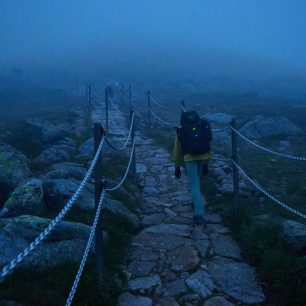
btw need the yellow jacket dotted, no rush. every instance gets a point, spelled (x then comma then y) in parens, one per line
(178, 157)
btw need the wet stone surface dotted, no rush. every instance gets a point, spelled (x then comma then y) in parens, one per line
(172, 261)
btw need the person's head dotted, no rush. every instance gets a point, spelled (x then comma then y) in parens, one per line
(189, 117)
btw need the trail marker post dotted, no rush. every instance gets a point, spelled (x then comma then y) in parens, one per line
(130, 97)
(149, 109)
(183, 106)
(106, 109)
(98, 134)
(235, 170)
(133, 137)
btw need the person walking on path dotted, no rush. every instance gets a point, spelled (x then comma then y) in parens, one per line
(192, 146)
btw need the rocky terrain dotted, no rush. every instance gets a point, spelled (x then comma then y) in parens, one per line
(171, 261)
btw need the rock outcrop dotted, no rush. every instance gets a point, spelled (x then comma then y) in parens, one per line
(261, 127)
(26, 199)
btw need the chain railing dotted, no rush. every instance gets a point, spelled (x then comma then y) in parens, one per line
(127, 139)
(86, 252)
(7, 269)
(261, 189)
(288, 156)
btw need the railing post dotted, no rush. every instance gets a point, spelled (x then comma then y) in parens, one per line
(98, 134)
(149, 109)
(132, 138)
(235, 170)
(88, 105)
(183, 105)
(130, 97)
(106, 109)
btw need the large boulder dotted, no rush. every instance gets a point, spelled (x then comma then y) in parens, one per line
(64, 245)
(59, 191)
(14, 166)
(53, 154)
(49, 131)
(219, 118)
(237, 280)
(66, 170)
(294, 234)
(261, 127)
(86, 149)
(114, 207)
(27, 199)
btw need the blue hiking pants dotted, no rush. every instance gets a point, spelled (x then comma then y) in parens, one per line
(194, 169)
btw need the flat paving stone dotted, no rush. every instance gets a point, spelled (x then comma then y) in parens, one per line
(142, 253)
(128, 299)
(153, 219)
(224, 245)
(175, 288)
(144, 283)
(201, 283)
(160, 242)
(202, 246)
(141, 268)
(168, 301)
(236, 279)
(169, 229)
(184, 258)
(218, 301)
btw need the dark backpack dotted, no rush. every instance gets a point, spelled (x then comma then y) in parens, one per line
(194, 134)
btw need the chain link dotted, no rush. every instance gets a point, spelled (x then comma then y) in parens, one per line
(13, 263)
(116, 107)
(288, 156)
(127, 140)
(127, 169)
(160, 105)
(118, 129)
(221, 130)
(277, 201)
(86, 252)
(160, 119)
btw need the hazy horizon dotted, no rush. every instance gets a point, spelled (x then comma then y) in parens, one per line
(251, 39)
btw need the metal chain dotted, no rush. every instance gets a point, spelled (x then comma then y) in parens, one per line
(288, 156)
(116, 107)
(116, 125)
(160, 105)
(222, 129)
(127, 170)
(86, 252)
(6, 270)
(127, 139)
(160, 119)
(277, 201)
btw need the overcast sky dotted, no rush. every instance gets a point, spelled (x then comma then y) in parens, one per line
(218, 35)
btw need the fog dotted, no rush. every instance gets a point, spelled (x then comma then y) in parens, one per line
(163, 39)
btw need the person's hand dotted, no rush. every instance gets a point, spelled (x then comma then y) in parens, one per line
(178, 172)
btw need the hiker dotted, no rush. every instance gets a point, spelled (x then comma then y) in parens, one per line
(192, 145)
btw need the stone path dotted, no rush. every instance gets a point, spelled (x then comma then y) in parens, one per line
(171, 260)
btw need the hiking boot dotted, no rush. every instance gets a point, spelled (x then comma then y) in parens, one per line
(198, 220)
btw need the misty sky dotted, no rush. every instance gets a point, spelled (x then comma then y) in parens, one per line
(221, 34)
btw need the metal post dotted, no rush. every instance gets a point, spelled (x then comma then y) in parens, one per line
(86, 95)
(130, 97)
(149, 109)
(89, 104)
(106, 109)
(98, 134)
(133, 137)
(235, 170)
(183, 104)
